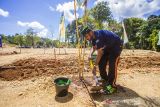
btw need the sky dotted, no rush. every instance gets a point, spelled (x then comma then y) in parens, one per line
(16, 16)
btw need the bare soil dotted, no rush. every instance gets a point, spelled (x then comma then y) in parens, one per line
(28, 68)
(26, 79)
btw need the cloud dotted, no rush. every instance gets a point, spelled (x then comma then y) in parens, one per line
(52, 8)
(68, 9)
(4, 13)
(34, 24)
(70, 16)
(42, 31)
(132, 8)
(67, 6)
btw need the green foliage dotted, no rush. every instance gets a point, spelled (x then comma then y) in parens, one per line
(153, 23)
(55, 43)
(115, 27)
(149, 30)
(101, 13)
(48, 42)
(153, 39)
(37, 40)
(94, 19)
(4, 38)
(18, 39)
(30, 37)
(132, 26)
(88, 20)
(142, 34)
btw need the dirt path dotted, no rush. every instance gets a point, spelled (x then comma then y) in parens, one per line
(30, 82)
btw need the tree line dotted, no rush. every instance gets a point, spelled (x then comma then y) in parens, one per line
(29, 39)
(142, 34)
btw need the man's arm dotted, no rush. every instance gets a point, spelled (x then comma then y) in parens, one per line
(92, 51)
(99, 55)
(98, 58)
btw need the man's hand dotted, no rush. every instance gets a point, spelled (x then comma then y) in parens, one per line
(89, 57)
(96, 83)
(91, 52)
(94, 70)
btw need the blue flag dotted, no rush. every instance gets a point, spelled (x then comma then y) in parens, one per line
(0, 41)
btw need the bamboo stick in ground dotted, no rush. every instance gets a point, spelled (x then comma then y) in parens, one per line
(55, 53)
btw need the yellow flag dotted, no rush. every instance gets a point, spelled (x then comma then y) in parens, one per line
(62, 26)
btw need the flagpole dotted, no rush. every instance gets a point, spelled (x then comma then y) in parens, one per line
(77, 32)
(59, 42)
(60, 34)
(76, 26)
(85, 23)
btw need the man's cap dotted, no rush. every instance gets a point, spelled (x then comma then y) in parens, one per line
(85, 31)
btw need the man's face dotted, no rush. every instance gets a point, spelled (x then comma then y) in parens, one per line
(89, 35)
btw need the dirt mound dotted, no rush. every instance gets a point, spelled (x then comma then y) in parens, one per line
(139, 62)
(8, 53)
(32, 67)
(28, 68)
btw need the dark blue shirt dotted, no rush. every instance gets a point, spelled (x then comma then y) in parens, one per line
(106, 39)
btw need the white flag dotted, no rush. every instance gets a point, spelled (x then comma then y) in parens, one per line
(62, 26)
(125, 38)
(79, 3)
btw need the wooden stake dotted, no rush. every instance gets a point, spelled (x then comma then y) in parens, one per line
(54, 53)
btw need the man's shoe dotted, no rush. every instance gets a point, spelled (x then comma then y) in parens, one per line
(109, 89)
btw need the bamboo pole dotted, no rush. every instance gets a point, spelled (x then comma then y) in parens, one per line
(54, 53)
(77, 32)
(59, 43)
(85, 23)
(44, 49)
(19, 48)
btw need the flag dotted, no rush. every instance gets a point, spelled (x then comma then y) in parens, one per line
(62, 26)
(85, 2)
(79, 3)
(158, 38)
(0, 41)
(125, 38)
